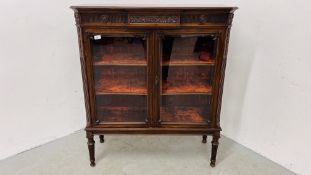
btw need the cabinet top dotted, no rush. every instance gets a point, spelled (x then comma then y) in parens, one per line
(156, 7)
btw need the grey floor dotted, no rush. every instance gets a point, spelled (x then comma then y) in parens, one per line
(139, 154)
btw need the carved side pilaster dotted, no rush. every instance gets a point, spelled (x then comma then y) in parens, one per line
(223, 68)
(84, 76)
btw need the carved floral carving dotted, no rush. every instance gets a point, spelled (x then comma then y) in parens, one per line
(204, 18)
(104, 18)
(158, 19)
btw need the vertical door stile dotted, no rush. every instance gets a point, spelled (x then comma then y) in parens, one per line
(157, 54)
(150, 94)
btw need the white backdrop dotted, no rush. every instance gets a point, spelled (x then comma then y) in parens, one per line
(267, 99)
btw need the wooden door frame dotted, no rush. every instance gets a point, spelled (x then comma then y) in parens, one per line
(88, 71)
(220, 32)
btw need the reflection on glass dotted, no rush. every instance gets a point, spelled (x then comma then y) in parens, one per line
(187, 71)
(120, 78)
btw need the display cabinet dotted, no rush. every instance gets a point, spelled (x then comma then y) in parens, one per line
(153, 70)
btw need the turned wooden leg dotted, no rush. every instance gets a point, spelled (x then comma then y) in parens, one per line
(101, 139)
(91, 146)
(204, 137)
(215, 143)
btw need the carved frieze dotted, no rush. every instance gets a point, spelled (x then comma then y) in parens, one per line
(183, 18)
(154, 19)
(104, 18)
(204, 18)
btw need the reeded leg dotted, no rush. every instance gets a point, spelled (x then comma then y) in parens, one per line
(215, 143)
(204, 137)
(91, 146)
(101, 138)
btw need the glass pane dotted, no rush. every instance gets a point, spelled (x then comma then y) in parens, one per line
(120, 78)
(187, 76)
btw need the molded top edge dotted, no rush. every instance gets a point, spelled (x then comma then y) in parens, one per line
(156, 7)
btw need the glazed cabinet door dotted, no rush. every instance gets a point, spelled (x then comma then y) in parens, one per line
(186, 72)
(119, 61)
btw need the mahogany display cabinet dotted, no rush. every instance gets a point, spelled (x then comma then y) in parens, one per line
(153, 70)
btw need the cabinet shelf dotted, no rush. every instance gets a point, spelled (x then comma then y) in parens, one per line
(188, 90)
(124, 62)
(188, 62)
(120, 80)
(109, 87)
(119, 93)
(187, 93)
